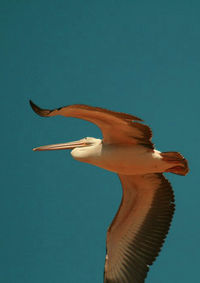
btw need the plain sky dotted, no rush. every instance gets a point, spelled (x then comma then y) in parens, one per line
(138, 57)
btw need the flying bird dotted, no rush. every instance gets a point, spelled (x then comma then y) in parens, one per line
(141, 224)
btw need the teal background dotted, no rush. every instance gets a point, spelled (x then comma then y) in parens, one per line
(139, 57)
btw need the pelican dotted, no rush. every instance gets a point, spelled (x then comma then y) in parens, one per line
(141, 224)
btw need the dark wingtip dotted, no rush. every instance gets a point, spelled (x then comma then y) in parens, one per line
(41, 112)
(35, 108)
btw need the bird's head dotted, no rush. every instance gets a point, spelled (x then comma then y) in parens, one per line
(85, 142)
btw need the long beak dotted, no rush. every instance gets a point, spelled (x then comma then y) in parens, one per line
(61, 146)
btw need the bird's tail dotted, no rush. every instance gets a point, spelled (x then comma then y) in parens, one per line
(178, 162)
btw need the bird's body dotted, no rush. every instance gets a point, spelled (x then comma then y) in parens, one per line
(141, 224)
(121, 159)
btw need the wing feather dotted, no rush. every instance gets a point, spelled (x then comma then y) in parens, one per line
(139, 228)
(116, 127)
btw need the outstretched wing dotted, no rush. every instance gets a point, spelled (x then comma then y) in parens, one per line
(116, 127)
(139, 228)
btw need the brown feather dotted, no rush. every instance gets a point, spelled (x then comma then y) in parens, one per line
(116, 127)
(139, 228)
